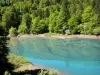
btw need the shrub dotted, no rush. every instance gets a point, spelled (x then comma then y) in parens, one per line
(42, 72)
(50, 72)
(13, 31)
(7, 73)
(22, 29)
(96, 31)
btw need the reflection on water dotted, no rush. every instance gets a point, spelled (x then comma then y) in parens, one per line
(76, 56)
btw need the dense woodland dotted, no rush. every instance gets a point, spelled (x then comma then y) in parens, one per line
(54, 16)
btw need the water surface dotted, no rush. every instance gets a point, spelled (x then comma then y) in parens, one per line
(75, 56)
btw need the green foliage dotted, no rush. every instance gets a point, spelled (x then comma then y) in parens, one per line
(89, 19)
(6, 19)
(39, 26)
(87, 28)
(50, 72)
(96, 31)
(4, 50)
(7, 73)
(73, 23)
(43, 25)
(64, 6)
(17, 61)
(53, 22)
(44, 3)
(71, 14)
(61, 22)
(24, 28)
(35, 27)
(43, 72)
(13, 31)
(88, 13)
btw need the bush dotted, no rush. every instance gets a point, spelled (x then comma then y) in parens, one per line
(86, 28)
(50, 72)
(96, 31)
(22, 29)
(42, 72)
(7, 73)
(13, 31)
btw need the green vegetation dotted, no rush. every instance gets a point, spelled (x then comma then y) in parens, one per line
(17, 61)
(54, 16)
(13, 31)
(4, 64)
(51, 72)
(7, 73)
(45, 16)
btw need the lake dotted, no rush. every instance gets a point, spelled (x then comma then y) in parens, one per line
(74, 56)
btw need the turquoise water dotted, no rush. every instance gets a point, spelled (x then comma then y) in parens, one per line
(74, 56)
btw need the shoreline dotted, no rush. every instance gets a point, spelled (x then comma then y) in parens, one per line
(60, 36)
(26, 65)
(34, 66)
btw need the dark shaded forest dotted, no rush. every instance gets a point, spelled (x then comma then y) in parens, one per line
(4, 50)
(54, 16)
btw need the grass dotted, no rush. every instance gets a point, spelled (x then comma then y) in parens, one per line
(19, 62)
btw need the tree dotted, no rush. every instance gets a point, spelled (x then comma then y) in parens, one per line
(52, 22)
(70, 15)
(13, 31)
(64, 6)
(96, 5)
(43, 26)
(89, 19)
(46, 12)
(4, 65)
(24, 28)
(44, 3)
(35, 28)
(73, 23)
(88, 13)
(6, 20)
(96, 30)
(61, 22)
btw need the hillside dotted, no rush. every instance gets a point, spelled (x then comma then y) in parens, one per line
(54, 16)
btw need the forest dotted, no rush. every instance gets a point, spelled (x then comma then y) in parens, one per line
(50, 16)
